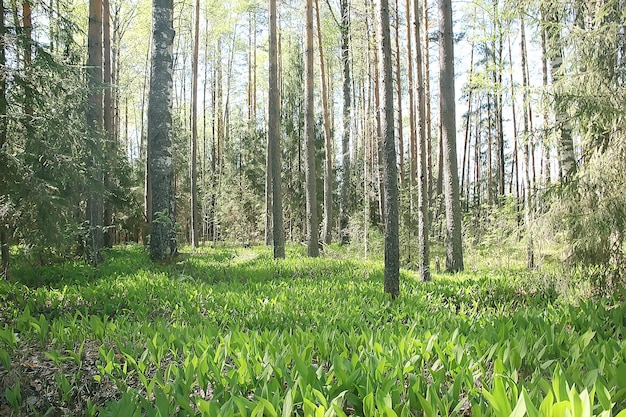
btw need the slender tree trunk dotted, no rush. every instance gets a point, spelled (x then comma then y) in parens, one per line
(423, 218)
(467, 124)
(145, 149)
(4, 235)
(526, 155)
(544, 73)
(344, 193)
(399, 96)
(412, 125)
(454, 249)
(274, 138)
(194, 132)
(429, 139)
(309, 132)
(160, 161)
(95, 212)
(489, 152)
(328, 162)
(109, 125)
(390, 169)
(565, 143)
(515, 164)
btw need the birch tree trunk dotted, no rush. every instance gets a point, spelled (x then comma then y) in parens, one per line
(160, 161)
(328, 162)
(344, 193)
(454, 245)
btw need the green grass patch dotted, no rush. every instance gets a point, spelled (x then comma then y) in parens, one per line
(230, 331)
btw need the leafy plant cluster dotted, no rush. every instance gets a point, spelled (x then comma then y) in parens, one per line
(229, 331)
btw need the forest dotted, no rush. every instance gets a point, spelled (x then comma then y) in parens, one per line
(312, 208)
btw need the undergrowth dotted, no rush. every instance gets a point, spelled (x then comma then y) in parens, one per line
(230, 331)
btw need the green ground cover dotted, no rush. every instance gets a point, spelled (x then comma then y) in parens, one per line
(230, 331)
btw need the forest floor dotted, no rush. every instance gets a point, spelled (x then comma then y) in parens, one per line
(229, 331)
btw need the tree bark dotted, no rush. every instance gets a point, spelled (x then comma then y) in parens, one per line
(278, 232)
(160, 161)
(565, 143)
(454, 245)
(399, 95)
(309, 132)
(4, 236)
(390, 169)
(328, 162)
(95, 209)
(412, 130)
(344, 193)
(194, 132)
(109, 126)
(423, 221)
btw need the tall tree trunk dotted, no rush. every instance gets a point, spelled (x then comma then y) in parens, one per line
(544, 73)
(526, 153)
(423, 218)
(515, 164)
(145, 150)
(454, 245)
(309, 133)
(95, 120)
(399, 96)
(278, 232)
(429, 140)
(328, 162)
(565, 143)
(344, 193)
(194, 132)
(412, 130)
(466, 145)
(4, 235)
(109, 126)
(160, 161)
(390, 169)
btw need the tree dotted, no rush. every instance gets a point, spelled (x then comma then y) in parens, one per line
(328, 161)
(423, 215)
(344, 192)
(108, 123)
(95, 208)
(454, 245)
(160, 161)
(273, 133)
(309, 134)
(390, 168)
(194, 132)
(4, 235)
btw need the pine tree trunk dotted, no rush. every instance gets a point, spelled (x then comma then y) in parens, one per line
(4, 236)
(423, 217)
(95, 209)
(109, 126)
(399, 96)
(454, 248)
(160, 161)
(412, 125)
(309, 133)
(278, 232)
(194, 132)
(390, 169)
(328, 162)
(344, 193)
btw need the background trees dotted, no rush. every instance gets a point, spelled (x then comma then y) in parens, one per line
(540, 85)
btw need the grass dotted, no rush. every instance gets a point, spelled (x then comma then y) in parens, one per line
(230, 331)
